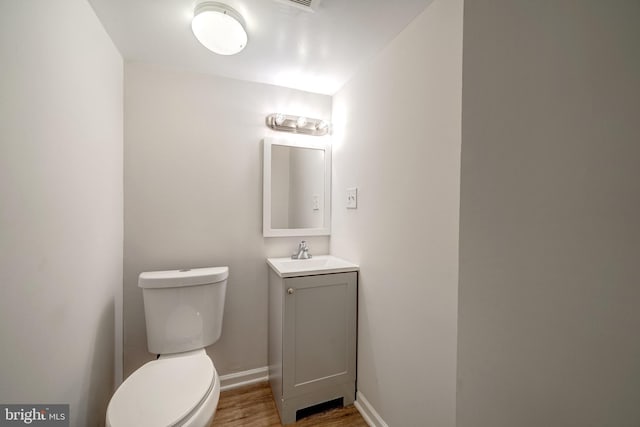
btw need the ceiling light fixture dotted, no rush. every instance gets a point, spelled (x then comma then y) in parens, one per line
(219, 28)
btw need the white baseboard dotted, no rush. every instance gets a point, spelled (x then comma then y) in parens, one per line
(368, 412)
(239, 379)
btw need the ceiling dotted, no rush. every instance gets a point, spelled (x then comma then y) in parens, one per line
(312, 51)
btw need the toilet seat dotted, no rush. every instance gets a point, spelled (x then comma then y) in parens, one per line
(164, 392)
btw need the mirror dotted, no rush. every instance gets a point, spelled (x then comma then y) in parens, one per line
(297, 187)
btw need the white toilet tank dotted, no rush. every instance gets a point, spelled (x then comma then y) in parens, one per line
(183, 308)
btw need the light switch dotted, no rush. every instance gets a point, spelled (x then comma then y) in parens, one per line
(352, 198)
(316, 202)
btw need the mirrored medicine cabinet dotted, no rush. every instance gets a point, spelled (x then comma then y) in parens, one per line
(296, 188)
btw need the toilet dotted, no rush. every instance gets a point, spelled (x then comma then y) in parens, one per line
(183, 312)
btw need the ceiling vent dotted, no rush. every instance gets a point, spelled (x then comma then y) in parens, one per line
(306, 5)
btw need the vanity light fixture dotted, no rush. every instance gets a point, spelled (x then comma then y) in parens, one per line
(219, 28)
(297, 124)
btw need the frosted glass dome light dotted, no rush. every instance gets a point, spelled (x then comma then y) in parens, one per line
(219, 28)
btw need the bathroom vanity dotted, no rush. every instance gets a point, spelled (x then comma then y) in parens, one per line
(312, 332)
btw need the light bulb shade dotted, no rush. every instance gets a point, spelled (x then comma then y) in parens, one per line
(219, 28)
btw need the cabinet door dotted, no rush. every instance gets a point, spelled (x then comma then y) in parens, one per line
(319, 332)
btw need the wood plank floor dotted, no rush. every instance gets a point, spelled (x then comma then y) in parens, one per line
(253, 406)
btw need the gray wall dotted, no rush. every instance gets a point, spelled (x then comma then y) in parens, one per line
(193, 197)
(280, 178)
(397, 138)
(60, 207)
(550, 215)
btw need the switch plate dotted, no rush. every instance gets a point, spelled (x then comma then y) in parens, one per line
(316, 202)
(352, 198)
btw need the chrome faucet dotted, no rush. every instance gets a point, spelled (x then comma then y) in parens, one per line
(303, 251)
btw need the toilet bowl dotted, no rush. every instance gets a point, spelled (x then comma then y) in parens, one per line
(175, 390)
(183, 313)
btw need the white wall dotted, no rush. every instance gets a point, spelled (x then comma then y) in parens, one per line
(60, 207)
(550, 209)
(193, 196)
(307, 179)
(397, 138)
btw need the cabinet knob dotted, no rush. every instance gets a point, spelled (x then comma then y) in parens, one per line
(290, 291)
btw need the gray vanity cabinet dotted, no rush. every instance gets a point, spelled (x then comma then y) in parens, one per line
(312, 340)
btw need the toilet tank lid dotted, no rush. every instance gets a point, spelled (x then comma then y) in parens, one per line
(180, 278)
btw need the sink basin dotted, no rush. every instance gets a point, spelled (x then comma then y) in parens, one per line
(319, 264)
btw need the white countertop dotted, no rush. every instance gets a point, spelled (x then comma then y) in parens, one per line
(318, 264)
